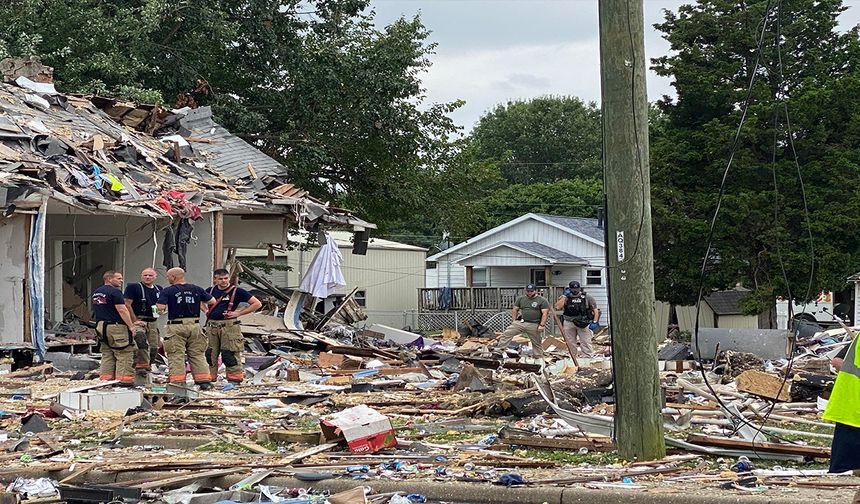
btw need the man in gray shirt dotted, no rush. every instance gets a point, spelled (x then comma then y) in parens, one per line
(534, 310)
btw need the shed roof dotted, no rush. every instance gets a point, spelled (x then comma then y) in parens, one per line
(727, 302)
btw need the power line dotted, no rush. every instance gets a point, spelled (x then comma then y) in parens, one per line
(735, 144)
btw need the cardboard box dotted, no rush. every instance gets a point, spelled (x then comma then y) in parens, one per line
(102, 400)
(364, 429)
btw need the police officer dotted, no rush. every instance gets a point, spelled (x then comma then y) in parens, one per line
(222, 326)
(183, 301)
(533, 310)
(141, 298)
(580, 317)
(842, 409)
(115, 327)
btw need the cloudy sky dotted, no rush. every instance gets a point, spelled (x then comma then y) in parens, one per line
(491, 51)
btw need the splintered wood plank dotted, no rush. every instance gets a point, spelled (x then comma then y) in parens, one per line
(784, 448)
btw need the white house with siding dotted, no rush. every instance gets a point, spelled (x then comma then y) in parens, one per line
(546, 250)
(387, 277)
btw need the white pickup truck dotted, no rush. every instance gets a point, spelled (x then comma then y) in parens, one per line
(820, 310)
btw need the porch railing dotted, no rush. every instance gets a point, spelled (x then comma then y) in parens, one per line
(477, 298)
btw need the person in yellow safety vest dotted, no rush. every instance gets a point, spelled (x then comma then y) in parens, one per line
(843, 409)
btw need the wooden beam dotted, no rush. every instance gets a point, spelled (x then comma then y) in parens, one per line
(494, 364)
(470, 275)
(784, 448)
(547, 274)
(175, 481)
(218, 239)
(601, 444)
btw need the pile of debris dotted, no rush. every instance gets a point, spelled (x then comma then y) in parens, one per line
(331, 411)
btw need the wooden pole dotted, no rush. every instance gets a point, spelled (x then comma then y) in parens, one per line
(638, 422)
(218, 239)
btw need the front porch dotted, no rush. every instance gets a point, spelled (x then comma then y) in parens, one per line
(477, 298)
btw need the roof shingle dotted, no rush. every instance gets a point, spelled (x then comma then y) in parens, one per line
(585, 225)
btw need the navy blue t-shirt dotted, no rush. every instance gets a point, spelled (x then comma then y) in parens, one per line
(224, 298)
(183, 300)
(104, 301)
(142, 298)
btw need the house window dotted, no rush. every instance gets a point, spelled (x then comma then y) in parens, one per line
(594, 277)
(538, 277)
(360, 298)
(479, 277)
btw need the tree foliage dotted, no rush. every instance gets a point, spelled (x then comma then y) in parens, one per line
(313, 83)
(544, 139)
(713, 56)
(572, 198)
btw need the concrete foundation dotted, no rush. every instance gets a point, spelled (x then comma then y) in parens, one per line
(766, 343)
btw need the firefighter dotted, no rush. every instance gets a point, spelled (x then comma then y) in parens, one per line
(141, 298)
(222, 325)
(115, 328)
(183, 302)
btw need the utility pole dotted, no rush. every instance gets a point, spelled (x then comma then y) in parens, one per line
(638, 419)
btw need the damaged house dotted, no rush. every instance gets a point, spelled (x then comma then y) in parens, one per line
(89, 184)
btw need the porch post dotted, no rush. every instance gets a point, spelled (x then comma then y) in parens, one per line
(469, 275)
(547, 273)
(218, 238)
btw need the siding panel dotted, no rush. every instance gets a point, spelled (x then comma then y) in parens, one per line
(389, 278)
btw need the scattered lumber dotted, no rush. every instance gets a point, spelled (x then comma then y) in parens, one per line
(783, 448)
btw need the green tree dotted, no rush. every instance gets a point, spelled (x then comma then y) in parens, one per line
(542, 140)
(453, 200)
(312, 83)
(572, 198)
(712, 59)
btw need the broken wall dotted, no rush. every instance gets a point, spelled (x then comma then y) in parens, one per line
(134, 252)
(13, 258)
(251, 233)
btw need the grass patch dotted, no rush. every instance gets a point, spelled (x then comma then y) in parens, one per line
(454, 437)
(570, 457)
(271, 445)
(306, 423)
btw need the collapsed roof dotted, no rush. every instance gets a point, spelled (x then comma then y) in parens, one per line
(105, 156)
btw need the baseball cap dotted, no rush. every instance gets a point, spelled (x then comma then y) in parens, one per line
(530, 287)
(574, 285)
